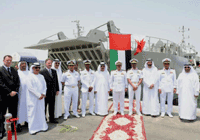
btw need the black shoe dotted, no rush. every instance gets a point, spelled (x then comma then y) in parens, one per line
(26, 124)
(19, 128)
(53, 121)
(2, 135)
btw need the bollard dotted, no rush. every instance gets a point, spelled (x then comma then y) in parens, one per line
(9, 120)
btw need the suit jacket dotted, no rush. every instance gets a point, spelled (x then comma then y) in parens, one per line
(51, 81)
(8, 83)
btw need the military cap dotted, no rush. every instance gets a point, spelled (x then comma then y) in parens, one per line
(118, 62)
(72, 62)
(149, 59)
(133, 61)
(166, 60)
(87, 61)
(102, 63)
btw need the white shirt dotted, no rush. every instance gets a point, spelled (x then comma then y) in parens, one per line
(167, 79)
(118, 80)
(87, 79)
(70, 78)
(134, 75)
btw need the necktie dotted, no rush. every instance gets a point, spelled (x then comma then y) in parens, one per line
(9, 71)
(50, 72)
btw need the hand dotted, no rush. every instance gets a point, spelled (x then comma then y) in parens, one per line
(41, 97)
(90, 89)
(126, 89)
(44, 96)
(110, 90)
(196, 96)
(152, 86)
(134, 87)
(95, 92)
(174, 90)
(57, 93)
(159, 91)
(13, 93)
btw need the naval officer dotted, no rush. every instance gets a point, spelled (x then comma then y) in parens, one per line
(118, 85)
(70, 80)
(167, 86)
(87, 80)
(134, 76)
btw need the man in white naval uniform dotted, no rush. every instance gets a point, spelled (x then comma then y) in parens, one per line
(87, 80)
(118, 85)
(188, 92)
(167, 86)
(23, 73)
(134, 76)
(70, 80)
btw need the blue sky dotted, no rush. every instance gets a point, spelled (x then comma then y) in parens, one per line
(25, 22)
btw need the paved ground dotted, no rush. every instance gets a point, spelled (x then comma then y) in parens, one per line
(156, 128)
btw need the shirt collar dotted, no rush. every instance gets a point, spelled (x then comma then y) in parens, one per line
(165, 69)
(6, 67)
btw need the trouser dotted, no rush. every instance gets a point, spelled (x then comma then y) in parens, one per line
(169, 101)
(84, 101)
(118, 97)
(137, 94)
(70, 93)
(50, 100)
(12, 104)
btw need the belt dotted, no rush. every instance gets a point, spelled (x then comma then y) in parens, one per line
(134, 82)
(70, 86)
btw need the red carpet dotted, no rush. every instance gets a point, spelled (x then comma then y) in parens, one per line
(121, 127)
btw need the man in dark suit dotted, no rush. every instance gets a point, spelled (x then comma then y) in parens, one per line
(51, 79)
(9, 87)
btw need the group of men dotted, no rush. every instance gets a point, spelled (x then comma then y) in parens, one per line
(26, 93)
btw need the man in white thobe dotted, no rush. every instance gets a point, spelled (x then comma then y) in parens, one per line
(101, 89)
(167, 86)
(70, 80)
(118, 85)
(134, 76)
(58, 100)
(87, 80)
(23, 90)
(188, 92)
(35, 100)
(150, 104)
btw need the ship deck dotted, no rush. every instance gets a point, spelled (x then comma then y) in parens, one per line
(156, 128)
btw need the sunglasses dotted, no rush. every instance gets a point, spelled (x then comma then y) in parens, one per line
(57, 63)
(102, 66)
(187, 67)
(37, 67)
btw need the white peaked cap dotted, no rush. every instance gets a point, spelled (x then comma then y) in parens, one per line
(166, 60)
(71, 62)
(133, 60)
(87, 61)
(118, 62)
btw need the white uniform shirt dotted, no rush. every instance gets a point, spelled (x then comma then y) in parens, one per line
(71, 78)
(134, 76)
(167, 80)
(118, 80)
(87, 79)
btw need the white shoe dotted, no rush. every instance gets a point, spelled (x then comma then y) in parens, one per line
(115, 113)
(130, 113)
(77, 116)
(162, 114)
(170, 115)
(83, 115)
(122, 113)
(92, 114)
(139, 113)
(65, 118)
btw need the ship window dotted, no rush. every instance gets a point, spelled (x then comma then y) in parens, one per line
(82, 55)
(88, 54)
(94, 65)
(90, 46)
(93, 54)
(99, 53)
(53, 56)
(67, 58)
(72, 48)
(84, 46)
(78, 47)
(66, 48)
(61, 56)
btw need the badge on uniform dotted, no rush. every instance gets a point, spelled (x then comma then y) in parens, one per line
(115, 73)
(85, 73)
(122, 74)
(163, 73)
(68, 75)
(138, 71)
(131, 73)
(171, 72)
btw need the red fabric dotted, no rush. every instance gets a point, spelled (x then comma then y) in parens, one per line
(120, 41)
(140, 46)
